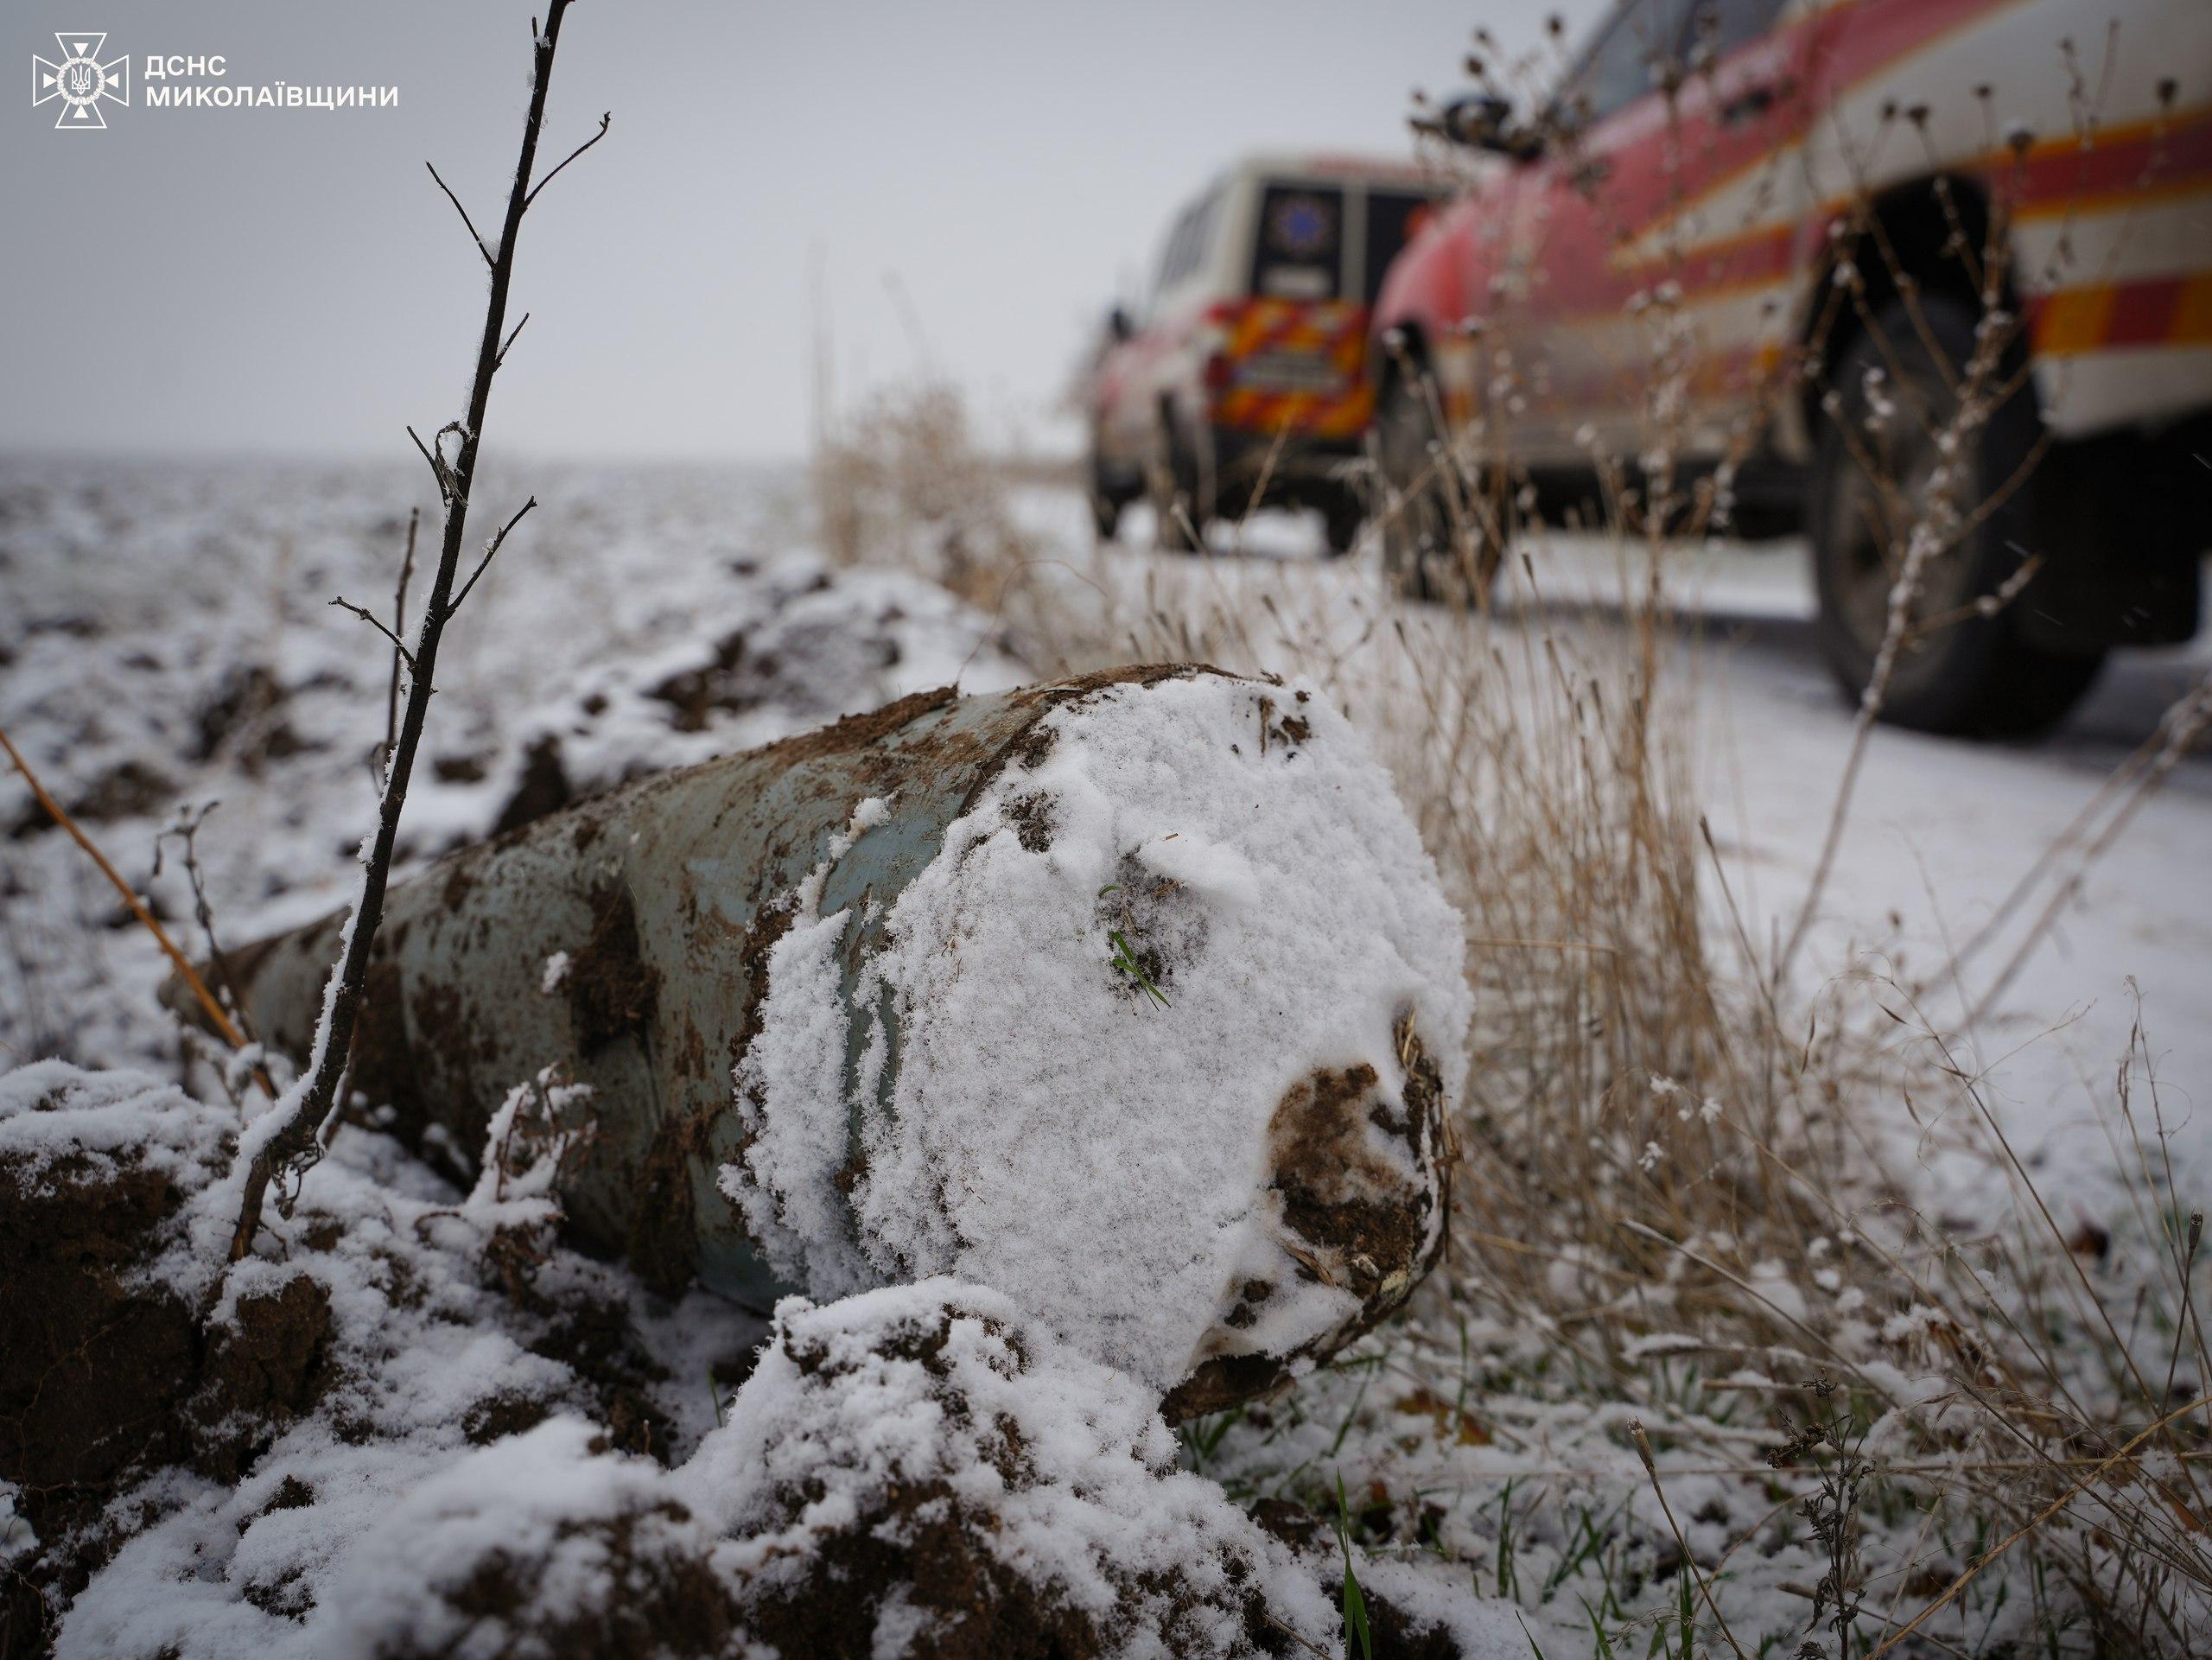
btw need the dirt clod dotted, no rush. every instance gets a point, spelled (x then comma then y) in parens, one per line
(262, 1371)
(94, 1364)
(651, 1600)
(542, 788)
(595, 1341)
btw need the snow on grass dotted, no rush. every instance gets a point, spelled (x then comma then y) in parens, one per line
(142, 598)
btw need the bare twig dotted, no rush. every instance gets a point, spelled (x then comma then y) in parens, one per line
(438, 468)
(287, 1140)
(217, 1014)
(399, 626)
(377, 623)
(501, 359)
(604, 122)
(489, 549)
(465, 219)
(184, 827)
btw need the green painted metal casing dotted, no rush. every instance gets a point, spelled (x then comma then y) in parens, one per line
(665, 897)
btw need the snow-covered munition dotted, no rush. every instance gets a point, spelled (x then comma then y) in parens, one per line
(1133, 996)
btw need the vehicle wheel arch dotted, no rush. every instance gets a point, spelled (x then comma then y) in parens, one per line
(1400, 347)
(1906, 230)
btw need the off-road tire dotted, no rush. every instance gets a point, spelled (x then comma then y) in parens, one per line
(1174, 484)
(1429, 550)
(1105, 504)
(1974, 674)
(1341, 520)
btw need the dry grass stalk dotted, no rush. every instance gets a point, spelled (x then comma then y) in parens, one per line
(1654, 1108)
(218, 1016)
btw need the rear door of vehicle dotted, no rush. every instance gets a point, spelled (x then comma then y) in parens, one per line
(1294, 351)
(1651, 256)
(1284, 362)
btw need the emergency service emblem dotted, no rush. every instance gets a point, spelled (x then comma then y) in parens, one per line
(1302, 226)
(80, 80)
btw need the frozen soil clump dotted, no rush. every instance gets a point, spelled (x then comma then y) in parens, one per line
(188, 1465)
(917, 1469)
(419, 1425)
(909, 1472)
(100, 1350)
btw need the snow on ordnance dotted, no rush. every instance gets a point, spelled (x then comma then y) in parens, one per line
(1133, 996)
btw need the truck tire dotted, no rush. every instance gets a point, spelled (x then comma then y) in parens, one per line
(1429, 552)
(1341, 520)
(1972, 671)
(1106, 504)
(1175, 484)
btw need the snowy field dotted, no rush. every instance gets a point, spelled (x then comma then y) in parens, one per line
(166, 641)
(152, 609)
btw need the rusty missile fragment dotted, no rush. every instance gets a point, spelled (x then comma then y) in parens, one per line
(1132, 996)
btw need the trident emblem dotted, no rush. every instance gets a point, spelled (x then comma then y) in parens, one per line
(80, 80)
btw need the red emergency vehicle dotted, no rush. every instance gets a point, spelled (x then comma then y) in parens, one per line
(1769, 235)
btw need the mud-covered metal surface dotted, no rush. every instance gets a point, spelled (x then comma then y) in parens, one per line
(1347, 1218)
(625, 942)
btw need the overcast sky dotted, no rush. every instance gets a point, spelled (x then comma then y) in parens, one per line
(975, 181)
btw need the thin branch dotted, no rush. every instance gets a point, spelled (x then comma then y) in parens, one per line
(463, 212)
(184, 826)
(377, 623)
(438, 467)
(284, 1144)
(216, 1014)
(501, 359)
(400, 625)
(490, 548)
(604, 121)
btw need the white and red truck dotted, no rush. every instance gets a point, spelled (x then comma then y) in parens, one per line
(1824, 205)
(1244, 373)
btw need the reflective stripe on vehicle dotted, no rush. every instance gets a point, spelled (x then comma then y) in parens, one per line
(1295, 366)
(2168, 311)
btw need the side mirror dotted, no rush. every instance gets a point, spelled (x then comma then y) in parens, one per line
(1119, 325)
(1482, 121)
